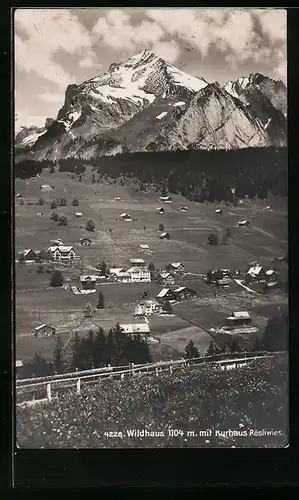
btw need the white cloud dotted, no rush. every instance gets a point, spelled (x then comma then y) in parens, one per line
(169, 51)
(26, 120)
(231, 30)
(116, 31)
(47, 32)
(50, 97)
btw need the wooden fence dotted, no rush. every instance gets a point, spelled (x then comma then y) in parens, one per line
(45, 388)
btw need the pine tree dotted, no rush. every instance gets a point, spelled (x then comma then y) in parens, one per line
(103, 268)
(258, 345)
(100, 349)
(53, 205)
(191, 351)
(275, 337)
(41, 201)
(56, 279)
(213, 239)
(151, 266)
(62, 221)
(161, 227)
(90, 225)
(101, 302)
(75, 352)
(88, 311)
(209, 276)
(211, 349)
(93, 179)
(21, 258)
(167, 307)
(75, 202)
(235, 347)
(58, 356)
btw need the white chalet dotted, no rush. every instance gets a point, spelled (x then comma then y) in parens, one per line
(139, 274)
(62, 253)
(138, 263)
(165, 199)
(136, 328)
(244, 223)
(147, 308)
(125, 216)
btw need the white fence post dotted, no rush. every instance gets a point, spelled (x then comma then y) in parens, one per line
(49, 397)
(157, 372)
(122, 376)
(133, 371)
(170, 369)
(78, 386)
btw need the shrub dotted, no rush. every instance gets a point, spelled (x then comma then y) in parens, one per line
(62, 221)
(90, 225)
(56, 279)
(53, 205)
(75, 202)
(213, 239)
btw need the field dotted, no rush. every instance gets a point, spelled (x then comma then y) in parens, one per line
(191, 400)
(116, 241)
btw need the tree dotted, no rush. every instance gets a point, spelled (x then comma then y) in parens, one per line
(38, 366)
(75, 202)
(90, 225)
(103, 268)
(275, 337)
(21, 258)
(62, 221)
(93, 179)
(58, 356)
(63, 202)
(80, 178)
(54, 216)
(167, 307)
(53, 205)
(100, 349)
(41, 201)
(56, 279)
(101, 303)
(161, 227)
(151, 266)
(213, 239)
(21, 202)
(212, 350)
(141, 186)
(88, 311)
(52, 169)
(258, 345)
(209, 276)
(43, 255)
(235, 347)
(40, 269)
(191, 351)
(164, 191)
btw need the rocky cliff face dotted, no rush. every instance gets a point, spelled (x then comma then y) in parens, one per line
(145, 103)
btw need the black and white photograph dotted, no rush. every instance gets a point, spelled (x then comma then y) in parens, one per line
(150, 228)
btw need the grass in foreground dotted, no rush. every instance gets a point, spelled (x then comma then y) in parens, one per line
(246, 400)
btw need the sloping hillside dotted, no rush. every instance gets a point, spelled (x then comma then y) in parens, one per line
(242, 401)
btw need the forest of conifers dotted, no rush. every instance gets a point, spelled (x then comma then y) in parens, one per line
(197, 175)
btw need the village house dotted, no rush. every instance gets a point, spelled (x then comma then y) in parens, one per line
(39, 214)
(119, 274)
(44, 330)
(117, 198)
(78, 214)
(144, 249)
(46, 188)
(160, 210)
(147, 308)
(183, 292)
(62, 253)
(166, 294)
(164, 236)
(125, 217)
(85, 241)
(165, 278)
(176, 267)
(136, 329)
(244, 223)
(30, 255)
(238, 318)
(165, 199)
(218, 211)
(255, 273)
(88, 282)
(139, 274)
(183, 209)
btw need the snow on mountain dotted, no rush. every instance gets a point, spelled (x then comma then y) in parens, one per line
(213, 120)
(145, 103)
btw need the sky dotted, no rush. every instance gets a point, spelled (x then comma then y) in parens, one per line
(56, 47)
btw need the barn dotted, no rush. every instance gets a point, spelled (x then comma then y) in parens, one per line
(44, 330)
(239, 318)
(165, 236)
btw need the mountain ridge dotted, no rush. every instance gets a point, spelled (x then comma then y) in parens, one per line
(145, 104)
